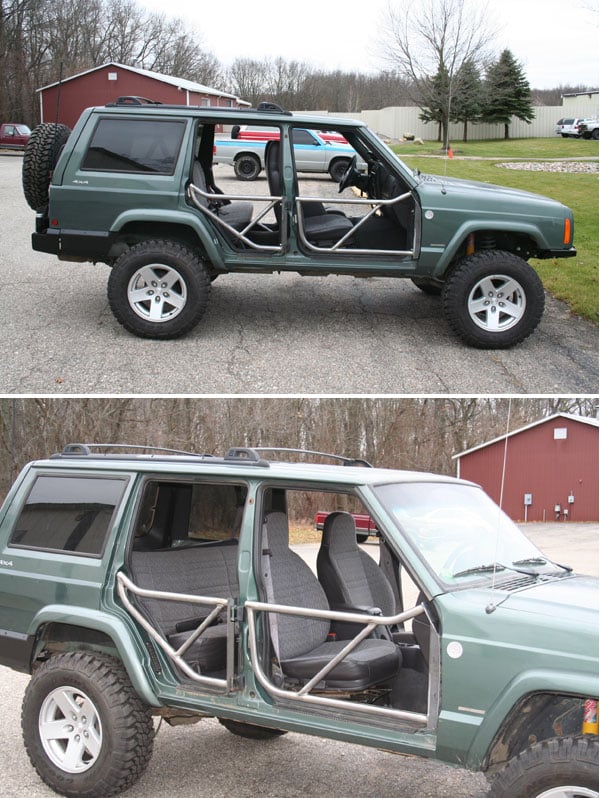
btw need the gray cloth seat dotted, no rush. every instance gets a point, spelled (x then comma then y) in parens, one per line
(349, 576)
(302, 643)
(236, 214)
(319, 225)
(209, 571)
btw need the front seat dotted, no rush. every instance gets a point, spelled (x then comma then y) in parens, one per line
(350, 577)
(302, 644)
(319, 225)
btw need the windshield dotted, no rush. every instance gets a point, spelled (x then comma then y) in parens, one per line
(460, 532)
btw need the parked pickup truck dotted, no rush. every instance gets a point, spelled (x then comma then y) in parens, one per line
(312, 154)
(14, 136)
(588, 129)
(364, 524)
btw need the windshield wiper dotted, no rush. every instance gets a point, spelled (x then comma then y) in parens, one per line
(498, 566)
(531, 561)
(541, 561)
(481, 569)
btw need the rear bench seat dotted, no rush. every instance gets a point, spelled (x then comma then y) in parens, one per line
(209, 570)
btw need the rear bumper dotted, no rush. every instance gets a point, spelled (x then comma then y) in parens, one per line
(79, 245)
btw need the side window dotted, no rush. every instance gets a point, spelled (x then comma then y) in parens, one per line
(177, 513)
(134, 145)
(300, 136)
(216, 511)
(67, 513)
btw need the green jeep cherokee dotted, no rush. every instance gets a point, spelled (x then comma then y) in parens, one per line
(133, 186)
(163, 584)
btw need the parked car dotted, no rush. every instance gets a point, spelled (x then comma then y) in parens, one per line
(588, 129)
(259, 133)
(312, 153)
(133, 186)
(141, 584)
(568, 127)
(14, 136)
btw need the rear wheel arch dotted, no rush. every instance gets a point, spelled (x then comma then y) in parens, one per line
(135, 232)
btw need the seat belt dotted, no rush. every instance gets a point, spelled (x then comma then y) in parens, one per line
(268, 581)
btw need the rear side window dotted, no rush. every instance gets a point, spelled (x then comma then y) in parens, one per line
(135, 145)
(68, 513)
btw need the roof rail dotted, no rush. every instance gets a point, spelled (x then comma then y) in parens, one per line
(90, 449)
(347, 461)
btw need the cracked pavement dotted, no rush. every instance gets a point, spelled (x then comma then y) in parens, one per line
(277, 334)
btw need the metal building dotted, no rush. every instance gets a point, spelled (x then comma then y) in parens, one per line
(551, 469)
(65, 100)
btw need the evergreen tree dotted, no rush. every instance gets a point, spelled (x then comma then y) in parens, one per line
(467, 96)
(508, 92)
(434, 102)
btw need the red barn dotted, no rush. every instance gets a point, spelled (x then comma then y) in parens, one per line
(105, 83)
(551, 469)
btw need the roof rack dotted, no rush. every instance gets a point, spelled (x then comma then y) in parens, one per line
(89, 449)
(100, 450)
(347, 461)
(137, 102)
(240, 455)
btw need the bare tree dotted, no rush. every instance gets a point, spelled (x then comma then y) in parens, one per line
(429, 47)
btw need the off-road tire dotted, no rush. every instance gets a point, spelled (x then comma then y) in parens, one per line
(508, 286)
(124, 724)
(247, 167)
(550, 765)
(250, 731)
(39, 159)
(158, 289)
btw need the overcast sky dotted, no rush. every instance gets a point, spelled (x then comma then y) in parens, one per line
(555, 40)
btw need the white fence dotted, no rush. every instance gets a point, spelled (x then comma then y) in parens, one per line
(394, 123)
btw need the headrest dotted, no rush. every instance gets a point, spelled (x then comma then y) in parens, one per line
(339, 532)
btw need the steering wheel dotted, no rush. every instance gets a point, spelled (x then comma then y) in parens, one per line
(349, 175)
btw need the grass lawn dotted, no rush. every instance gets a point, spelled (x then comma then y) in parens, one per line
(574, 280)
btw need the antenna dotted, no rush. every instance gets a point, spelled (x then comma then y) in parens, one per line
(491, 606)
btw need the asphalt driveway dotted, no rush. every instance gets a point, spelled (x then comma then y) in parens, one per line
(261, 334)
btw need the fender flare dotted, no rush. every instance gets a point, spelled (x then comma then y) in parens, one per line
(453, 246)
(129, 650)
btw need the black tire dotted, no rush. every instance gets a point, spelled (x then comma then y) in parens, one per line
(567, 762)
(595, 134)
(247, 167)
(158, 289)
(361, 537)
(338, 168)
(118, 725)
(428, 286)
(493, 299)
(39, 159)
(250, 731)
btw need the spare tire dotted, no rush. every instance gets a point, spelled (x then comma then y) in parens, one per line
(39, 160)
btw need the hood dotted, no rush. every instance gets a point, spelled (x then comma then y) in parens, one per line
(432, 185)
(572, 598)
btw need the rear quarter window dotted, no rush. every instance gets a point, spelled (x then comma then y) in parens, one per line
(68, 514)
(134, 145)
